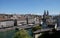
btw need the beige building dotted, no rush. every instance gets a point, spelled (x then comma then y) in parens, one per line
(6, 23)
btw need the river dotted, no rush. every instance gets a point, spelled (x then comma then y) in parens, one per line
(10, 33)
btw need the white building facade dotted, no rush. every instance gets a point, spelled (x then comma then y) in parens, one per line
(6, 23)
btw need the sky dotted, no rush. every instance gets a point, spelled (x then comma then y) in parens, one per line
(29, 6)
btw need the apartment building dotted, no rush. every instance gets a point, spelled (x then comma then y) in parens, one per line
(6, 23)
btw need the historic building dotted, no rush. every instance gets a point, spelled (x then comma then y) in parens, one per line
(6, 23)
(48, 20)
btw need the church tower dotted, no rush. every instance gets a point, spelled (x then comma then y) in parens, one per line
(47, 12)
(44, 20)
(44, 12)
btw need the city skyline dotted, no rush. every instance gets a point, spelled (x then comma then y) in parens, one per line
(29, 6)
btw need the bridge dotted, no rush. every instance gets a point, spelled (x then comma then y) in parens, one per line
(19, 27)
(47, 29)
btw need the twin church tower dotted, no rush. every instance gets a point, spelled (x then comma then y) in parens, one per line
(46, 13)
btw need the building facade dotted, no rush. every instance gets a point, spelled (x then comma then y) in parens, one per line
(6, 23)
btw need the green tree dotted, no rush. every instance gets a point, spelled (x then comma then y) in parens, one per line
(37, 27)
(22, 34)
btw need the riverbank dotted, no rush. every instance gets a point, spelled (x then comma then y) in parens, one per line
(7, 29)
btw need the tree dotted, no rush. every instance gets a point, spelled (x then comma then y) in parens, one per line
(22, 34)
(37, 27)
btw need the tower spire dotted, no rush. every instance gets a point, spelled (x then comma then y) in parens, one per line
(47, 12)
(44, 12)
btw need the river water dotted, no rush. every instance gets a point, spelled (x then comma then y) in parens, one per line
(10, 34)
(7, 34)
